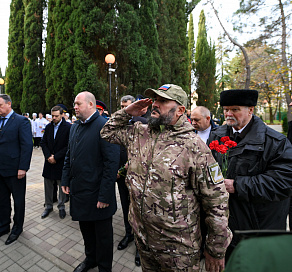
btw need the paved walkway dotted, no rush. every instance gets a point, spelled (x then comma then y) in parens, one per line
(53, 244)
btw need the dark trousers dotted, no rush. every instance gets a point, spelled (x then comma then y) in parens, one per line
(15, 187)
(37, 141)
(125, 202)
(49, 194)
(98, 242)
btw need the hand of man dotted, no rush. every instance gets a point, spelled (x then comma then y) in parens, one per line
(139, 107)
(229, 185)
(213, 264)
(51, 159)
(66, 190)
(101, 205)
(21, 174)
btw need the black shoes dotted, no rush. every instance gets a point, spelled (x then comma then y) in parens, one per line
(125, 241)
(11, 238)
(46, 213)
(83, 267)
(137, 258)
(4, 232)
(62, 214)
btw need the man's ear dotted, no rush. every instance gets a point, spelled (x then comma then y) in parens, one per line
(181, 110)
(250, 110)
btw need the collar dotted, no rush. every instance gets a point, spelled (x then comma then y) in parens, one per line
(87, 119)
(8, 115)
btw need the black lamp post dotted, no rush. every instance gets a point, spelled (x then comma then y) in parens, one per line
(110, 59)
(1, 84)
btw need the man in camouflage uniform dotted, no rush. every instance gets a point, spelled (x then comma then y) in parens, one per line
(171, 176)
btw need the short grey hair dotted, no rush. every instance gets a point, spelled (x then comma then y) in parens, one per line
(127, 98)
(203, 111)
(6, 98)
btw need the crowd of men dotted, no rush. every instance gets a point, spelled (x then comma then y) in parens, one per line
(177, 205)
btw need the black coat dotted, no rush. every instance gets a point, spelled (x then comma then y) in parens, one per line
(57, 147)
(90, 170)
(261, 166)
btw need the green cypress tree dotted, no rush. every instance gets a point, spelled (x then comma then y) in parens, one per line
(93, 30)
(173, 44)
(33, 96)
(14, 78)
(191, 48)
(150, 72)
(129, 49)
(205, 67)
(63, 75)
(50, 57)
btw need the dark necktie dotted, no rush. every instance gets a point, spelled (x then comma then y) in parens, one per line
(2, 120)
(236, 137)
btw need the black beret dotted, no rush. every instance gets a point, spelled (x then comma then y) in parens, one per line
(63, 107)
(239, 97)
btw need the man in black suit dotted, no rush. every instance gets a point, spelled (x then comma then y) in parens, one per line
(89, 174)
(15, 155)
(54, 145)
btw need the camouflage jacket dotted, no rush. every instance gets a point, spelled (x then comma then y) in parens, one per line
(171, 174)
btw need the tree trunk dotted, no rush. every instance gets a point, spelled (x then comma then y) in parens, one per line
(285, 63)
(271, 114)
(247, 66)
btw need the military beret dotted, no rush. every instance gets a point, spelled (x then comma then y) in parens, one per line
(100, 105)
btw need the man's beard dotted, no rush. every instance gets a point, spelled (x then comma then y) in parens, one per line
(234, 124)
(163, 119)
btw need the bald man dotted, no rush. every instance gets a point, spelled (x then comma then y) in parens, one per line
(202, 122)
(89, 175)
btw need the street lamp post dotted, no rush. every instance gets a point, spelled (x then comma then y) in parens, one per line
(1, 84)
(110, 59)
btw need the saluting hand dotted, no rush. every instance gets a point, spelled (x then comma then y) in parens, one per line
(139, 107)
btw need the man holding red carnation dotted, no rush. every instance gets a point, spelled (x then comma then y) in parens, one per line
(258, 169)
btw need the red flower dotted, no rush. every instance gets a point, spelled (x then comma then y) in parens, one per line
(222, 149)
(230, 144)
(225, 139)
(213, 145)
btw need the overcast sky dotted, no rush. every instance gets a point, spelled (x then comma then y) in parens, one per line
(226, 8)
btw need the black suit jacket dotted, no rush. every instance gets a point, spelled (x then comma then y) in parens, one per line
(15, 145)
(57, 146)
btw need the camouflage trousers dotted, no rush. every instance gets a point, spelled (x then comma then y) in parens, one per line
(152, 260)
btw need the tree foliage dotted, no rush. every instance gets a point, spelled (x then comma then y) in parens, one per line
(271, 22)
(191, 49)
(14, 78)
(173, 45)
(33, 96)
(147, 37)
(205, 67)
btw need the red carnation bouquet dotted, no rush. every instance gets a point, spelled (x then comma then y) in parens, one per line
(223, 149)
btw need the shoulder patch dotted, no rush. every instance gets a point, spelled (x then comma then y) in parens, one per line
(215, 173)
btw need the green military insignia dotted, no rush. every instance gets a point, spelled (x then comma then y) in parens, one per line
(215, 173)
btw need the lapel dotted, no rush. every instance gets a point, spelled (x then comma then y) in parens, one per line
(8, 123)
